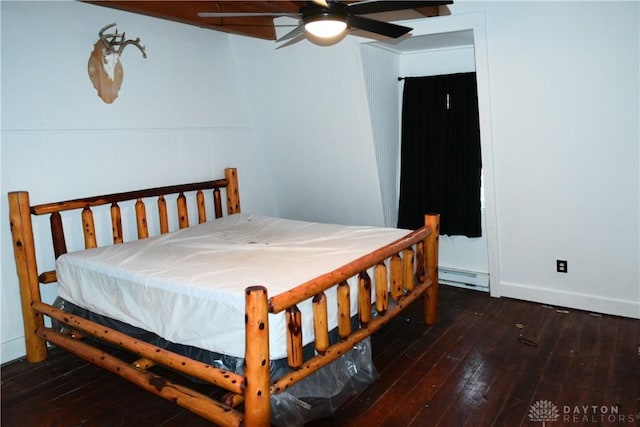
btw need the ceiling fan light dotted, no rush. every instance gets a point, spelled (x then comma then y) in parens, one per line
(326, 28)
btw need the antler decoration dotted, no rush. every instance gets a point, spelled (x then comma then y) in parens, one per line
(115, 43)
(105, 69)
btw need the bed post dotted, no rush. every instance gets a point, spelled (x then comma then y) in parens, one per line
(257, 395)
(233, 197)
(27, 270)
(431, 253)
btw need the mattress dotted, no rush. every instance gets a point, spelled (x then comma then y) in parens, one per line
(188, 286)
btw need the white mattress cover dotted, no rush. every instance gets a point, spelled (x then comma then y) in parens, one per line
(188, 286)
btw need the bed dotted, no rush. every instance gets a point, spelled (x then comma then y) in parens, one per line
(257, 289)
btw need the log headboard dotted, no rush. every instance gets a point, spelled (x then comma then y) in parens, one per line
(21, 211)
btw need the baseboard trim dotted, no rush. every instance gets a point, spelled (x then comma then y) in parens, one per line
(586, 302)
(12, 349)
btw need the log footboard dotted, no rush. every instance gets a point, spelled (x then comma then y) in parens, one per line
(388, 280)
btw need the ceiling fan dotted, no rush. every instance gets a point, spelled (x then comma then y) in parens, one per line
(330, 20)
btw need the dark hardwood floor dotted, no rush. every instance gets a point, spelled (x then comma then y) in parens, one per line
(493, 362)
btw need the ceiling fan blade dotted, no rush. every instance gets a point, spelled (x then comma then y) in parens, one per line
(322, 3)
(243, 14)
(378, 27)
(374, 6)
(299, 30)
(291, 41)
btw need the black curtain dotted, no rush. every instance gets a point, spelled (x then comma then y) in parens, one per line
(440, 157)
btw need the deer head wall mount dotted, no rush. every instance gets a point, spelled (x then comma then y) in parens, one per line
(105, 69)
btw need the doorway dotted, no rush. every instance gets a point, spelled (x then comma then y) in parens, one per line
(441, 45)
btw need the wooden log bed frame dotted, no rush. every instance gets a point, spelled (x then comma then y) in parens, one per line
(412, 273)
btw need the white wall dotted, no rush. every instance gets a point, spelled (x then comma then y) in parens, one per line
(460, 59)
(564, 81)
(181, 116)
(564, 106)
(311, 108)
(381, 69)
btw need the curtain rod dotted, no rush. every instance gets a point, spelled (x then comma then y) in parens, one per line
(436, 75)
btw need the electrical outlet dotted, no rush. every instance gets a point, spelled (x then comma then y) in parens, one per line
(561, 266)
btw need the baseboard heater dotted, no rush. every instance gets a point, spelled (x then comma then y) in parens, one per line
(464, 279)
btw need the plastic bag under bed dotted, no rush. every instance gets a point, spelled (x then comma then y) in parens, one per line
(317, 396)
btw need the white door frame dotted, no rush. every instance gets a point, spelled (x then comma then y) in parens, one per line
(477, 23)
